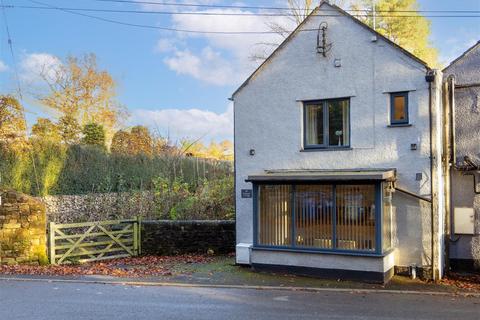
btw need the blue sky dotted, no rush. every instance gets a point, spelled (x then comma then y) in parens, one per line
(179, 84)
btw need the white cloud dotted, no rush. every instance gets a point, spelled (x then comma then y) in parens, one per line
(237, 49)
(219, 59)
(165, 45)
(208, 66)
(34, 66)
(3, 66)
(189, 123)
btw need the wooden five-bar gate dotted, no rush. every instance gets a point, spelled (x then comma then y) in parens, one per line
(94, 241)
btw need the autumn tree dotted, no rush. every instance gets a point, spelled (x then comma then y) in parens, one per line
(214, 150)
(93, 134)
(193, 148)
(120, 142)
(12, 123)
(227, 148)
(137, 141)
(141, 140)
(297, 11)
(46, 130)
(400, 21)
(294, 14)
(77, 88)
(161, 146)
(69, 129)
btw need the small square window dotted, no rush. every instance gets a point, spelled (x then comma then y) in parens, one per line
(399, 108)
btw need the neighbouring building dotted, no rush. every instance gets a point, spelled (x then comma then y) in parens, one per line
(462, 96)
(338, 148)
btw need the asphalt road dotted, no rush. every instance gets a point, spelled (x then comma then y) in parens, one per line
(65, 301)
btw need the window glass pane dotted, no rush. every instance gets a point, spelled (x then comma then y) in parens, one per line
(314, 124)
(355, 209)
(399, 109)
(338, 122)
(313, 216)
(274, 215)
(387, 218)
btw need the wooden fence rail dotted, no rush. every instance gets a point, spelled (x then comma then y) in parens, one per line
(94, 241)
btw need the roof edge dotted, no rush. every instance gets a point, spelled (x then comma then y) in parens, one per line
(285, 41)
(324, 175)
(462, 55)
(362, 24)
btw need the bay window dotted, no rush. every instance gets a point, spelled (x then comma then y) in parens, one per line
(333, 216)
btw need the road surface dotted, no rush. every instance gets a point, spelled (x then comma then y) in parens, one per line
(73, 301)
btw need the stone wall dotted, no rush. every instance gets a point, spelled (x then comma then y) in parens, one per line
(166, 237)
(99, 206)
(22, 229)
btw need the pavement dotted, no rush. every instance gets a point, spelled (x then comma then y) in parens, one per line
(221, 272)
(52, 300)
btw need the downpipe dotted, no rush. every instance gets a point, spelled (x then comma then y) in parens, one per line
(430, 77)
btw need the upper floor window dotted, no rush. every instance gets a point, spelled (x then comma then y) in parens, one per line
(327, 123)
(399, 108)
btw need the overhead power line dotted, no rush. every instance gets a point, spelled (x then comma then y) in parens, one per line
(367, 13)
(10, 45)
(196, 5)
(20, 95)
(147, 26)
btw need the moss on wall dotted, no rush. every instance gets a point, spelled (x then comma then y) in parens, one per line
(22, 229)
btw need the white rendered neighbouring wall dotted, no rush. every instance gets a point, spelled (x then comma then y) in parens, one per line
(268, 118)
(466, 72)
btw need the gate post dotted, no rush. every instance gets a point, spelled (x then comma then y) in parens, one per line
(51, 242)
(135, 236)
(139, 235)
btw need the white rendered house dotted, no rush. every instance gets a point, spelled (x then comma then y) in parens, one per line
(338, 155)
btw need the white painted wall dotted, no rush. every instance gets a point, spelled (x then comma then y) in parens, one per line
(466, 70)
(325, 261)
(268, 118)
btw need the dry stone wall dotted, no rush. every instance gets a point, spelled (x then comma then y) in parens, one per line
(99, 206)
(165, 237)
(22, 229)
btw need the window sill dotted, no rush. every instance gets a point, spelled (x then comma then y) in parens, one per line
(400, 125)
(326, 149)
(323, 251)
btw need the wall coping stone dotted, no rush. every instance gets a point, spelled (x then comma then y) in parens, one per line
(190, 222)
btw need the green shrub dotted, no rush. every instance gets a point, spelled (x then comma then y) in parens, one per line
(211, 199)
(53, 168)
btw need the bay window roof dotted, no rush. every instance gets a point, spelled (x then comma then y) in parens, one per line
(315, 175)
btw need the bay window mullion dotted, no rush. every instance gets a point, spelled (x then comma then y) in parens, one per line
(334, 218)
(326, 127)
(378, 218)
(293, 205)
